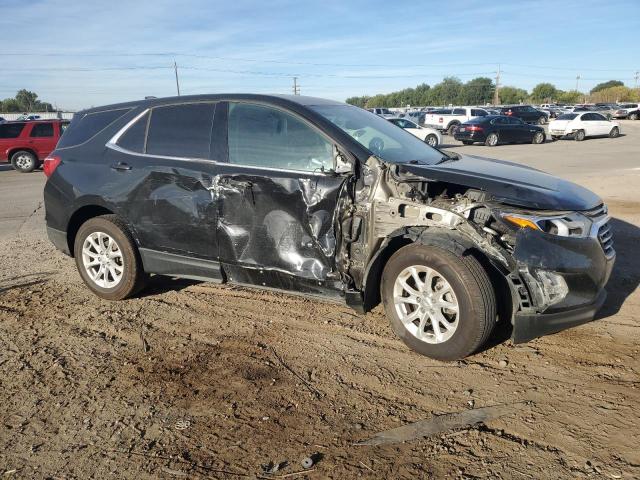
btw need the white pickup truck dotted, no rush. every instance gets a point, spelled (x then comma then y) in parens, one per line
(447, 119)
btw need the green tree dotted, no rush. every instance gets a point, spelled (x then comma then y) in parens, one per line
(510, 95)
(358, 101)
(618, 93)
(446, 92)
(477, 91)
(609, 84)
(544, 92)
(27, 100)
(572, 96)
(10, 105)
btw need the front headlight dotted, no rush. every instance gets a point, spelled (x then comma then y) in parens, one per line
(570, 224)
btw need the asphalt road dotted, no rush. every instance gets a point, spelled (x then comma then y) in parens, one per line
(610, 167)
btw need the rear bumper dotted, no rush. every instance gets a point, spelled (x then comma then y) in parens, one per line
(527, 326)
(470, 136)
(59, 239)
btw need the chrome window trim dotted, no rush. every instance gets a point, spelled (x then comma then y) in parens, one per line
(113, 144)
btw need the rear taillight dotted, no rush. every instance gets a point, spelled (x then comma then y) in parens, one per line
(50, 164)
(440, 120)
(474, 128)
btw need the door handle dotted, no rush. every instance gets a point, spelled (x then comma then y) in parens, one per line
(121, 166)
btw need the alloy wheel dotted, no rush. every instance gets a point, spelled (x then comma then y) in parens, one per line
(24, 161)
(426, 304)
(102, 260)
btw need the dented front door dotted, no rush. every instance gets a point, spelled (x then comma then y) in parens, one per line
(276, 225)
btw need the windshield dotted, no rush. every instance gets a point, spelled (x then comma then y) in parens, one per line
(378, 135)
(567, 116)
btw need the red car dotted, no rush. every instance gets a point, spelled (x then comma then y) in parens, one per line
(26, 144)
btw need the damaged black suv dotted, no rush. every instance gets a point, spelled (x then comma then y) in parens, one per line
(325, 199)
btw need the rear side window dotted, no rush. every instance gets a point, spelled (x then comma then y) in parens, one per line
(459, 111)
(134, 138)
(475, 112)
(181, 130)
(11, 130)
(88, 125)
(42, 130)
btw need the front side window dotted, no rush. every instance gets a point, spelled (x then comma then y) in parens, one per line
(42, 130)
(11, 130)
(378, 136)
(262, 136)
(181, 130)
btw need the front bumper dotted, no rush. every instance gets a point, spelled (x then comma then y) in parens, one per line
(526, 327)
(585, 265)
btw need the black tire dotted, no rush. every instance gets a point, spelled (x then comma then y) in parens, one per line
(467, 142)
(491, 140)
(452, 128)
(633, 116)
(133, 276)
(472, 288)
(614, 133)
(541, 120)
(579, 136)
(24, 161)
(538, 138)
(431, 140)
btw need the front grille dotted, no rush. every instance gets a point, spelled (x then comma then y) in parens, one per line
(596, 212)
(606, 239)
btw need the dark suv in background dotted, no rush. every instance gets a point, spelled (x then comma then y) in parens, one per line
(526, 113)
(325, 199)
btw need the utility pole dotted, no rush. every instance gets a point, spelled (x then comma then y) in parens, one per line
(175, 69)
(636, 79)
(296, 87)
(496, 95)
(577, 81)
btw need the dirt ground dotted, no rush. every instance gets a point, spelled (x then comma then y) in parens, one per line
(193, 380)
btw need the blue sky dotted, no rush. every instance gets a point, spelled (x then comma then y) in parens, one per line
(78, 54)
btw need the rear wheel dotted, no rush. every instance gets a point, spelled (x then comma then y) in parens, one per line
(452, 128)
(538, 138)
(491, 140)
(541, 121)
(108, 259)
(440, 305)
(24, 161)
(633, 116)
(431, 140)
(615, 132)
(579, 135)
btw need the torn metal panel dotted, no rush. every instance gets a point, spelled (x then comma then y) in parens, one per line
(282, 223)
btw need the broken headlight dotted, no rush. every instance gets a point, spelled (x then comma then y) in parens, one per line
(568, 224)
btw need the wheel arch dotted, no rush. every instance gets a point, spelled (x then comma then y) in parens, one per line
(80, 216)
(15, 150)
(446, 239)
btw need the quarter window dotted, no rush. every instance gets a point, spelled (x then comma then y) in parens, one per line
(181, 130)
(11, 130)
(42, 130)
(133, 139)
(263, 136)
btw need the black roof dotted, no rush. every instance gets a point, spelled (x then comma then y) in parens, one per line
(275, 99)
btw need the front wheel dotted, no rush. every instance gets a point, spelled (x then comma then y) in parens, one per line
(633, 116)
(491, 140)
(452, 128)
(541, 121)
(615, 132)
(440, 305)
(107, 258)
(24, 161)
(538, 138)
(431, 140)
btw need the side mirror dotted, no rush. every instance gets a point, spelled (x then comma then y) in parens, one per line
(342, 165)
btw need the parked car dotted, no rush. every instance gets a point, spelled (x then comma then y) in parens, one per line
(526, 113)
(325, 199)
(27, 118)
(633, 114)
(2, 120)
(383, 112)
(26, 144)
(429, 135)
(448, 119)
(581, 125)
(417, 117)
(625, 109)
(492, 130)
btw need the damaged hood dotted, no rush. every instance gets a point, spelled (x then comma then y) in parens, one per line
(510, 183)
